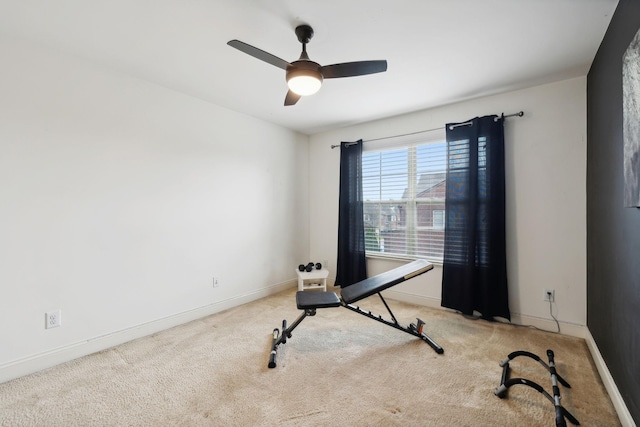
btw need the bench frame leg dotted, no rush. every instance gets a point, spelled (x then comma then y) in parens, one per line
(411, 329)
(286, 333)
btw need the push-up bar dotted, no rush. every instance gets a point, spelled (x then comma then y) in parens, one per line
(309, 301)
(506, 382)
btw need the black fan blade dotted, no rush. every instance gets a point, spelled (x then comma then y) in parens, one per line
(291, 98)
(259, 54)
(351, 69)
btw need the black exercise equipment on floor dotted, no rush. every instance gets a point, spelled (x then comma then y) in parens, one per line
(506, 382)
(310, 267)
(310, 301)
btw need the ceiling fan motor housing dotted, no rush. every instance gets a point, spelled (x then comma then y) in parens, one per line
(304, 68)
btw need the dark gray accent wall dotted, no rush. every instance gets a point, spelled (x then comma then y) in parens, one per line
(613, 231)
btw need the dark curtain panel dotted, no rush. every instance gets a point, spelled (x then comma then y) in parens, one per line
(352, 265)
(474, 273)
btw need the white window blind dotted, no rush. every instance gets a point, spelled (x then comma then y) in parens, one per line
(404, 194)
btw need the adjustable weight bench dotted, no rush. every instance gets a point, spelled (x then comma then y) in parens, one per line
(310, 301)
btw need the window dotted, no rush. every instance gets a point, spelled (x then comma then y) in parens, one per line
(438, 219)
(403, 185)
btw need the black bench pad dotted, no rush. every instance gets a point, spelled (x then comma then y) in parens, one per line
(315, 299)
(367, 287)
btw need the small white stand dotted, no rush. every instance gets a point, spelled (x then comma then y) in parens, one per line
(314, 279)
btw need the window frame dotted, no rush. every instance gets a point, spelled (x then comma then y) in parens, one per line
(410, 142)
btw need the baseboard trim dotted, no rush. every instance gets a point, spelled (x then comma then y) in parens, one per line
(570, 329)
(413, 299)
(566, 328)
(38, 362)
(44, 360)
(614, 394)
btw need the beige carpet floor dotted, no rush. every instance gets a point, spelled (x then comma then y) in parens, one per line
(339, 368)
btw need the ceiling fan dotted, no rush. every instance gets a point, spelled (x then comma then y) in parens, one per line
(304, 77)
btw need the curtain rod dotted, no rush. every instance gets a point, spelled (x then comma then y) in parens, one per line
(518, 114)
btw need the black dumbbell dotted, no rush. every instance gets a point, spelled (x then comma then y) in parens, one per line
(309, 267)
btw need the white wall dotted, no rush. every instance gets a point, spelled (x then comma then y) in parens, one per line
(546, 197)
(120, 200)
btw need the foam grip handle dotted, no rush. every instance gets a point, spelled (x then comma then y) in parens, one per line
(563, 381)
(570, 417)
(560, 421)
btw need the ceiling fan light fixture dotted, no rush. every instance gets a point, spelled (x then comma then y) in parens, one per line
(304, 82)
(304, 76)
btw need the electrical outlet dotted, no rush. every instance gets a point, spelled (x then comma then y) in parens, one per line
(549, 295)
(215, 282)
(53, 319)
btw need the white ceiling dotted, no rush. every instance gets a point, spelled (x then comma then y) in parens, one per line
(438, 51)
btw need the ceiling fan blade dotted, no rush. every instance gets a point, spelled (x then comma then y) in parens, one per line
(291, 98)
(351, 69)
(259, 54)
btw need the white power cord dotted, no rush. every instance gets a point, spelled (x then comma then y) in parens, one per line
(554, 317)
